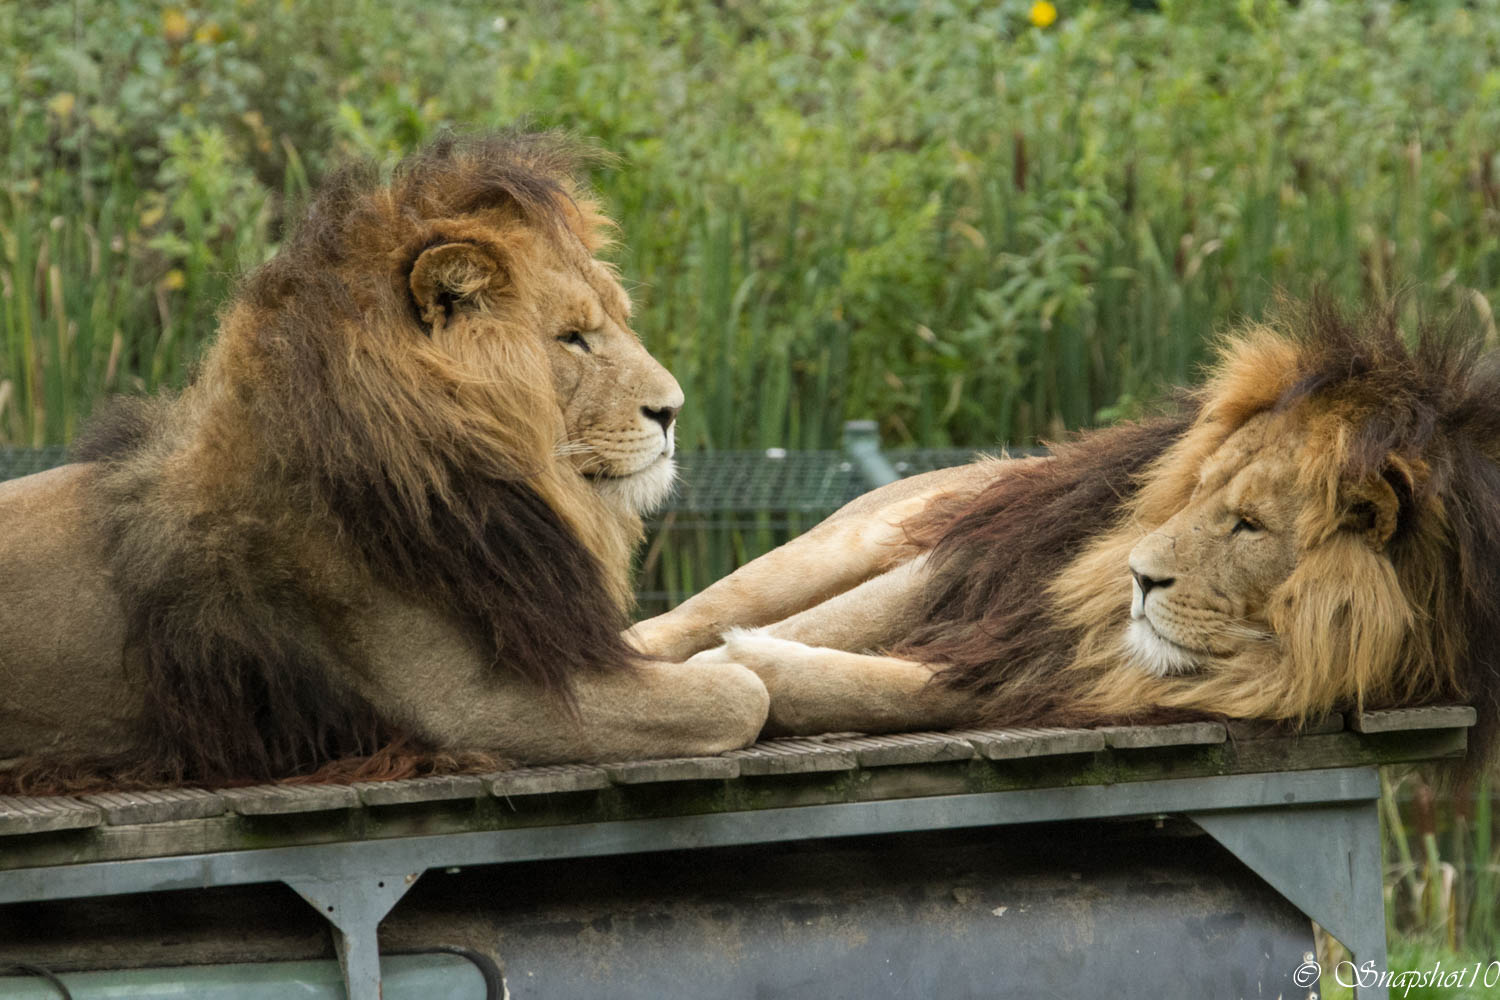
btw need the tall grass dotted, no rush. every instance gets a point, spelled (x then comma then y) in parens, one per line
(1441, 867)
(1444, 865)
(930, 213)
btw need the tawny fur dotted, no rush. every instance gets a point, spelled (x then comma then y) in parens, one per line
(394, 509)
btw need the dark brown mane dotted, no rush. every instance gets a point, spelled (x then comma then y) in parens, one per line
(477, 539)
(989, 615)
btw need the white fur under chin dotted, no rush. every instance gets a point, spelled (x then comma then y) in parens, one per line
(643, 492)
(1156, 655)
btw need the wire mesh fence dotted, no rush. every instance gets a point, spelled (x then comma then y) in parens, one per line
(18, 462)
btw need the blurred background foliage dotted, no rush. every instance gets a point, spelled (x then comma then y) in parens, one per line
(930, 212)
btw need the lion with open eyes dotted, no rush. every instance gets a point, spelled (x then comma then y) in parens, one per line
(1318, 529)
(395, 507)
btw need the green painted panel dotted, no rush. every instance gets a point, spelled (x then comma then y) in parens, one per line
(406, 977)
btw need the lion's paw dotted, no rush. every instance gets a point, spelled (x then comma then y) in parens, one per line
(756, 649)
(710, 657)
(661, 639)
(646, 638)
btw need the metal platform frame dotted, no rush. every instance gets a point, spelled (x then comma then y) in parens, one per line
(1313, 835)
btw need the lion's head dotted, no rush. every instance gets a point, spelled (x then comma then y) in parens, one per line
(1203, 580)
(452, 327)
(496, 290)
(1275, 539)
(468, 320)
(1319, 530)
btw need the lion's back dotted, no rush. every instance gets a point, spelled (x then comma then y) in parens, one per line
(62, 631)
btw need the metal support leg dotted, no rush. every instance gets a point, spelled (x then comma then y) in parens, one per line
(1326, 861)
(355, 907)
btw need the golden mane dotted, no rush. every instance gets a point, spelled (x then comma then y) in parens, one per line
(1353, 627)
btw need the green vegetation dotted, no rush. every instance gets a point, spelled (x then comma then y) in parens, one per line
(933, 213)
(1442, 905)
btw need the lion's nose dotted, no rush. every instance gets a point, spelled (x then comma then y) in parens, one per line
(663, 415)
(1147, 583)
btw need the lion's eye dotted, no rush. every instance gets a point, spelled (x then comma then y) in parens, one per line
(575, 339)
(1245, 524)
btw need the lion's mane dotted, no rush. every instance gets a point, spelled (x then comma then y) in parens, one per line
(322, 422)
(1030, 596)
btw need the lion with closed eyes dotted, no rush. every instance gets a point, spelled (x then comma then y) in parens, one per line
(1318, 528)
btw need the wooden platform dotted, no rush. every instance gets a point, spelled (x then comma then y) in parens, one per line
(776, 774)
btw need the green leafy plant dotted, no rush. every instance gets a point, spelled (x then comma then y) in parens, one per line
(940, 215)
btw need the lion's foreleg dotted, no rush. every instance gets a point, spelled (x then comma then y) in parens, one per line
(818, 690)
(875, 614)
(864, 539)
(826, 561)
(654, 710)
(439, 683)
(663, 710)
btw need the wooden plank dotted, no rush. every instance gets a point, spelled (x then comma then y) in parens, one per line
(792, 756)
(435, 788)
(1396, 720)
(1174, 735)
(160, 805)
(231, 832)
(906, 748)
(546, 779)
(645, 772)
(1272, 729)
(1012, 744)
(280, 800)
(44, 814)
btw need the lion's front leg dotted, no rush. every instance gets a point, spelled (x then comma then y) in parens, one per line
(819, 690)
(864, 539)
(653, 710)
(876, 614)
(806, 571)
(439, 683)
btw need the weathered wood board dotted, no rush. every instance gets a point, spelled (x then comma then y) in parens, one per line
(775, 774)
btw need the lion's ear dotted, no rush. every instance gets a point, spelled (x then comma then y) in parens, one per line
(1378, 506)
(449, 276)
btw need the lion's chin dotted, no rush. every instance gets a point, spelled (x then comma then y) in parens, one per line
(1157, 655)
(641, 492)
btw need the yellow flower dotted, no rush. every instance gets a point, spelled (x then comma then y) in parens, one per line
(62, 104)
(174, 280)
(1043, 13)
(174, 25)
(209, 34)
(155, 208)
